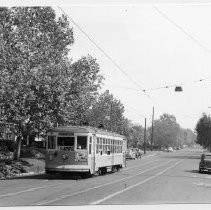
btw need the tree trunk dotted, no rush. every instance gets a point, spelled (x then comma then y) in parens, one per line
(18, 148)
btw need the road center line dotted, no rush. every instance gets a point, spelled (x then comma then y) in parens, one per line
(28, 190)
(139, 183)
(99, 186)
(37, 188)
(126, 169)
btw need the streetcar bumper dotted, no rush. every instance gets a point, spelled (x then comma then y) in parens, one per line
(67, 169)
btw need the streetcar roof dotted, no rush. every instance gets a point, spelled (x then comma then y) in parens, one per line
(84, 129)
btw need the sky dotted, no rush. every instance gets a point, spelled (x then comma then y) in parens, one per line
(155, 44)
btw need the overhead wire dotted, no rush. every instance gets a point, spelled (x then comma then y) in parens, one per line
(100, 48)
(175, 85)
(119, 67)
(163, 87)
(109, 57)
(181, 29)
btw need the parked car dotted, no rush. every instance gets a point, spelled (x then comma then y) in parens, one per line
(170, 149)
(130, 154)
(138, 154)
(205, 163)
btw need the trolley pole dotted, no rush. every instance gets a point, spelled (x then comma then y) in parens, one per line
(145, 136)
(152, 128)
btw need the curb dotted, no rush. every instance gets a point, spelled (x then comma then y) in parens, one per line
(23, 175)
(29, 174)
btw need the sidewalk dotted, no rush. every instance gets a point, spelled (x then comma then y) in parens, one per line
(33, 167)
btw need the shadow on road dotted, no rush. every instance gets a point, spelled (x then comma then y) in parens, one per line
(193, 171)
(52, 177)
(197, 172)
(64, 176)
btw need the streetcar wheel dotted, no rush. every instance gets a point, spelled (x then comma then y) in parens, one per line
(104, 171)
(113, 169)
(99, 172)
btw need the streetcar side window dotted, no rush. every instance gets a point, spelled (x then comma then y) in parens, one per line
(101, 146)
(90, 145)
(51, 142)
(66, 143)
(81, 142)
(98, 145)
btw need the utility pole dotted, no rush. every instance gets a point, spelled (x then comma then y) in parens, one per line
(111, 110)
(145, 136)
(152, 127)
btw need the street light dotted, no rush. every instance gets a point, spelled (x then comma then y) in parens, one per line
(178, 89)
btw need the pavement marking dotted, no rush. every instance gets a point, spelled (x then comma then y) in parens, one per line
(28, 190)
(132, 186)
(149, 155)
(99, 186)
(125, 169)
(202, 184)
(37, 188)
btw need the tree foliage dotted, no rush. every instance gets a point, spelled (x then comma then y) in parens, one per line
(203, 130)
(109, 112)
(168, 133)
(165, 131)
(39, 86)
(135, 136)
(85, 82)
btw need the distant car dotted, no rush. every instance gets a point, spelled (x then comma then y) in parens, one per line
(130, 155)
(170, 149)
(138, 154)
(205, 163)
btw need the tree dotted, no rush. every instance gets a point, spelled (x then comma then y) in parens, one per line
(166, 131)
(108, 111)
(40, 86)
(186, 137)
(33, 54)
(85, 81)
(203, 130)
(136, 137)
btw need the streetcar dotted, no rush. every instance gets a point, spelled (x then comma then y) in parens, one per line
(85, 150)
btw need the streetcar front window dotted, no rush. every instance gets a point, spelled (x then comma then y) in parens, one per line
(51, 142)
(81, 142)
(66, 143)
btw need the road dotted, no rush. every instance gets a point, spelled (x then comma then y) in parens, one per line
(165, 178)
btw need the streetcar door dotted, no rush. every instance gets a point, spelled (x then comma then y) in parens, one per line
(92, 150)
(124, 147)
